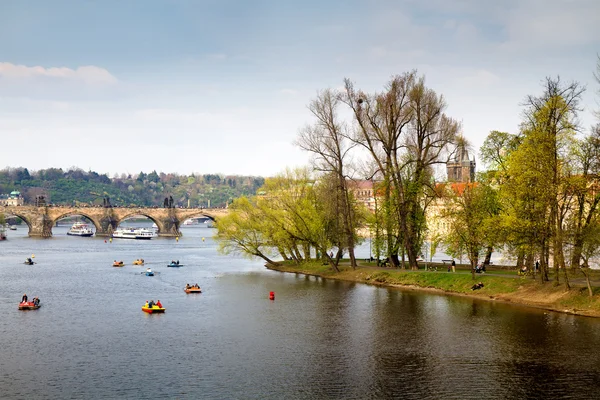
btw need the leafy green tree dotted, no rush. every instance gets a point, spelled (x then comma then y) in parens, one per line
(536, 185)
(242, 231)
(471, 210)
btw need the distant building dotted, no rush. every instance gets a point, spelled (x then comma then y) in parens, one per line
(12, 199)
(461, 174)
(363, 193)
(461, 169)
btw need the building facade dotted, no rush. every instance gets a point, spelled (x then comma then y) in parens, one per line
(13, 199)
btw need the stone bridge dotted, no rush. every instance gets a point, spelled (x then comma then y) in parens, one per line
(40, 220)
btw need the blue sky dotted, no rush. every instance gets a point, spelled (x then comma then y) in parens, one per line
(222, 86)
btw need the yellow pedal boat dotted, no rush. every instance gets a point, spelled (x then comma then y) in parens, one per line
(153, 310)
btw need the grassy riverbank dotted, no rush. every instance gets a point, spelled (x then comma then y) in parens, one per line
(502, 286)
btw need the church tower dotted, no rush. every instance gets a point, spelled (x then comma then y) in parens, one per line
(461, 169)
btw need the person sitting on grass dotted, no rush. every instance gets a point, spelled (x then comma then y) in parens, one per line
(477, 286)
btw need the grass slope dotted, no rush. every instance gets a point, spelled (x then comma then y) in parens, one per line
(504, 286)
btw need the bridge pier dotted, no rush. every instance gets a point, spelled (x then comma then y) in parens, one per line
(41, 225)
(107, 224)
(169, 227)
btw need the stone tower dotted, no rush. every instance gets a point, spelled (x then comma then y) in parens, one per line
(461, 169)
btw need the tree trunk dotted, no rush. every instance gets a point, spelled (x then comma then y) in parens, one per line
(267, 259)
(488, 255)
(283, 254)
(403, 259)
(306, 250)
(520, 259)
(577, 250)
(585, 272)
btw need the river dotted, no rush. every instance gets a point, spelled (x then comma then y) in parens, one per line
(319, 339)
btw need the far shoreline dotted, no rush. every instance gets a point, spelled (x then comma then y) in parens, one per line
(524, 293)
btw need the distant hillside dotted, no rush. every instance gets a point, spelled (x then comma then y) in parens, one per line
(144, 189)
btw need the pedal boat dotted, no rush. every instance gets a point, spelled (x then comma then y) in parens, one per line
(193, 290)
(174, 265)
(118, 264)
(153, 310)
(28, 305)
(138, 262)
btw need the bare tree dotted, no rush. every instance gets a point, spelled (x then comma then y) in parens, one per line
(405, 130)
(327, 140)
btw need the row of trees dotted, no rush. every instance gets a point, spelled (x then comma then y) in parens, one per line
(538, 200)
(293, 216)
(401, 133)
(75, 186)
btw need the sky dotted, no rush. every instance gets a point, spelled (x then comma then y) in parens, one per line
(221, 86)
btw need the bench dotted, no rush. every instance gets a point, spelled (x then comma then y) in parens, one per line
(447, 261)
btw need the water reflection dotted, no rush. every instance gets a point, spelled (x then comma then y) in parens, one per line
(318, 339)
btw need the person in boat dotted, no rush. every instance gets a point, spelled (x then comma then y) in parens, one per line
(196, 286)
(159, 304)
(177, 262)
(187, 286)
(151, 304)
(24, 298)
(29, 260)
(146, 305)
(36, 301)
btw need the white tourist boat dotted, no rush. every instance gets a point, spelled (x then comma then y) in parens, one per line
(133, 233)
(80, 229)
(191, 221)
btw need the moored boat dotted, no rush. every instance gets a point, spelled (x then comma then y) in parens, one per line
(80, 229)
(133, 233)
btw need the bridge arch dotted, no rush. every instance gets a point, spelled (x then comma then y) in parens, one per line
(19, 215)
(78, 213)
(138, 214)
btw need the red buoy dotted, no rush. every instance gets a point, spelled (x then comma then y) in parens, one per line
(271, 295)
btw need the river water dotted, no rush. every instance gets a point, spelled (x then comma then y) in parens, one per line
(319, 339)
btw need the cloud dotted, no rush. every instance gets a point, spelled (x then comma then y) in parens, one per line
(89, 74)
(58, 83)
